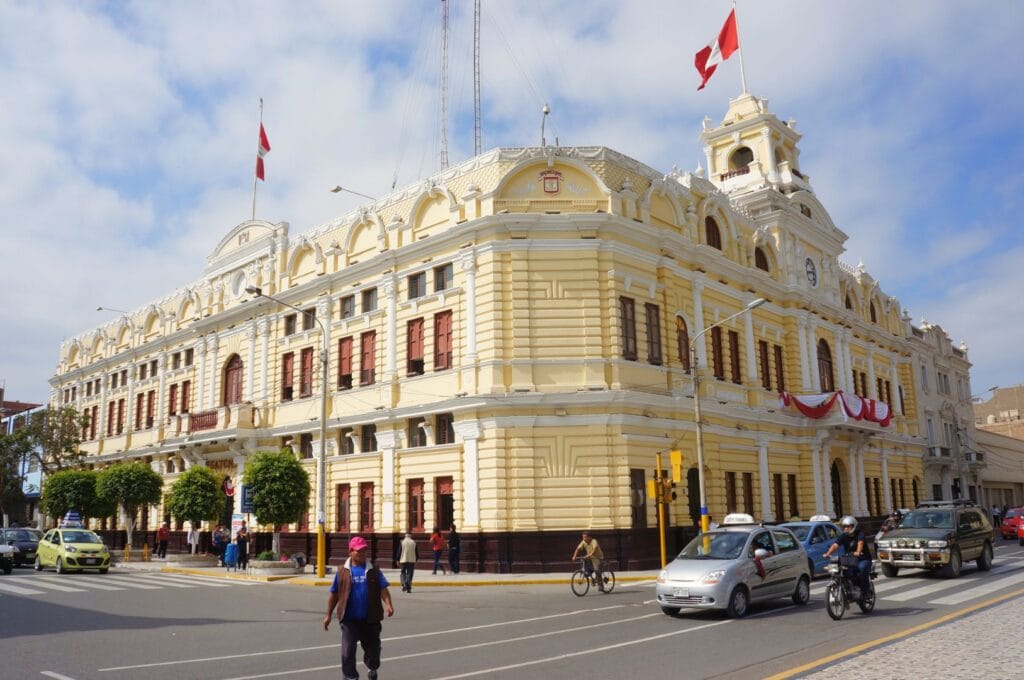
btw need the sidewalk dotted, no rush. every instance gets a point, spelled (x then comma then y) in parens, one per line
(421, 579)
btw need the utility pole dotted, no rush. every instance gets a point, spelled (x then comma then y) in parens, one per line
(444, 84)
(477, 144)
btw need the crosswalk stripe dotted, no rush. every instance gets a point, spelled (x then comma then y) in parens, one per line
(129, 582)
(94, 582)
(156, 578)
(988, 587)
(209, 580)
(40, 582)
(945, 584)
(6, 587)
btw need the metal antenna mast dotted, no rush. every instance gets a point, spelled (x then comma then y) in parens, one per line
(476, 78)
(444, 84)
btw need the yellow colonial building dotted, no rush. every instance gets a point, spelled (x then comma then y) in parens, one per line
(508, 350)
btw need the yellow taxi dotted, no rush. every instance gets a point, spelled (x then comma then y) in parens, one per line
(72, 549)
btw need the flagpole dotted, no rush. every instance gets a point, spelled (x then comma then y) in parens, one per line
(743, 73)
(255, 178)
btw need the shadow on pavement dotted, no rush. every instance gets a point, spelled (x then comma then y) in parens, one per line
(49, 618)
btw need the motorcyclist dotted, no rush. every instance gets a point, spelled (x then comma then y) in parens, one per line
(853, 542)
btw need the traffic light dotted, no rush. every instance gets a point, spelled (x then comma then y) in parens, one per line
(676, 458)
(668, 490)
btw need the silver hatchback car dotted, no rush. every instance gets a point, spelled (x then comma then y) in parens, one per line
(734, 566)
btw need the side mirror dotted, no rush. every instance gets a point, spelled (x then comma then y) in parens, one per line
(761, 553)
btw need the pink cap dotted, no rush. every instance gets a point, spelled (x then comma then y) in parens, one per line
(357, 543)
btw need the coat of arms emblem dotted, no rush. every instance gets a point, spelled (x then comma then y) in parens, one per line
(550, 179)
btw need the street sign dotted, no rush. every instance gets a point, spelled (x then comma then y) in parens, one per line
(247, 499)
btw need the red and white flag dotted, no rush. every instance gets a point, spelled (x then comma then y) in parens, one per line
(262, 150)
(718, 50)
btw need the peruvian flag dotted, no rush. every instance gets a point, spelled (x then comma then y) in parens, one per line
(718, 50)
(262, 150)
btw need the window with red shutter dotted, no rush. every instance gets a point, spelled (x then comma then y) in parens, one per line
(716, 353)
(368, 358)
(287, 376)
(627, 317)
(186, 396)
(443, 340)
(150, 407)
(172, 400)
(734, 357)
(414, 346)
(306, 373)
(653, 327)
(683, 343)
(366, 506)
(345, 364)
(138, 410)
(416, 498)
(344, 506)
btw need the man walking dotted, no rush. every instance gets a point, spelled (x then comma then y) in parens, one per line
(407, 561)
(360, 593)
(162, 535)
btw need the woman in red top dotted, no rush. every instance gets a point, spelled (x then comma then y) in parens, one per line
(437, 545)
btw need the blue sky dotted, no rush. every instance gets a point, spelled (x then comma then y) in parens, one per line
(129, 130)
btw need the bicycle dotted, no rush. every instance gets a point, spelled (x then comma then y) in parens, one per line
(584, 577)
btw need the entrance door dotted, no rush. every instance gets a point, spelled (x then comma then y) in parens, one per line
(837, 490)
(638, 498)
(233, 381)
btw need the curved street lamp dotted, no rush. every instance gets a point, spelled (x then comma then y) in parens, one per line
(705, 520)
(321, 459)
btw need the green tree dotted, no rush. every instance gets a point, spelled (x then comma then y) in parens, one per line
(73, 490)
(196, 495)
(279, 487)
(56, 438)
(14, 448)
(129, 486)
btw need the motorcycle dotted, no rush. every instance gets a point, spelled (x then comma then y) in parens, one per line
(843, 588)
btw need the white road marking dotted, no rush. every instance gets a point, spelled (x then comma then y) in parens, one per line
(207, 580)
(129, 582)
(943, 585)
(173, 583)
(60, 587)
(637, 584)
(988, 587)
(95, 582)
(18, 590)
(56, 676)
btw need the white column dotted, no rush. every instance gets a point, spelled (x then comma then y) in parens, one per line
(860, 475)
(262, 327)
(805, 361)
(390, 289)
(773, 167)
(101, 427)
(748, 330)
(762, 462)
(855, 483)
(201, 391)
(711, 166)
(872, 388)
(129, 408)
(819, 490)
(469, 432)
(161, 396)
(812, 350)
(848, 361)
(212, 345)
(698, 321)
(842, 376)
(468, 264)
(248, 394)
(386, 443)
(888, 485)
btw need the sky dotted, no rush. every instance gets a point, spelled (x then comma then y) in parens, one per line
(128, 134)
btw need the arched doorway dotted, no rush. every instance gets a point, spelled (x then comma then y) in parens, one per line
(693, 494)
(233, 381)
(837, 489)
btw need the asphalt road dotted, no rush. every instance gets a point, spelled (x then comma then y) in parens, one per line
(137, 625)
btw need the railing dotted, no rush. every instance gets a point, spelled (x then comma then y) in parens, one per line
(734, 173)
(940, 452)
(204, 420)
(975, 457)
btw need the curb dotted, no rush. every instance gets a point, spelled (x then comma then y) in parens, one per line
(306, 581)
(227, 575)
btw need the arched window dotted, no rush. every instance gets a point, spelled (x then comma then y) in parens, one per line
(712, 236)
(233, 381)
(741, 158)
(849, 305)
(874, 315)
(683, 343)
(761, 260)
(825, 367)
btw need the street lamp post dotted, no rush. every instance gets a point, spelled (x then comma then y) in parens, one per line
(705, 520)
(321, 459)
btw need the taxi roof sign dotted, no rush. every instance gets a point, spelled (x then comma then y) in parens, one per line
(738, 518)
(72, 519)
(821, 518)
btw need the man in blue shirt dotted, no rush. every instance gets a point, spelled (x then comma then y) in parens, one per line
(360, 593)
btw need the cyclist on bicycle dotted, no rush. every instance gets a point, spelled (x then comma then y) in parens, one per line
(592, 552)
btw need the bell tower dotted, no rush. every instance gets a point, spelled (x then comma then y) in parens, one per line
(752, 149)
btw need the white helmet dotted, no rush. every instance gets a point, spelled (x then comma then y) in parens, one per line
(848, 521)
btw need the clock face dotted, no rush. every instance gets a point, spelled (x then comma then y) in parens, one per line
(812, 272)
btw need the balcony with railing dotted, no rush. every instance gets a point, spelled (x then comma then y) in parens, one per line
(938, 456)
(202, 421)
(975, 459)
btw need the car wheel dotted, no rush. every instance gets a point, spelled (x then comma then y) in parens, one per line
(60, 566)
(670, 611)
(985, 559)
(8, 567)
(890, 571)
(952, 570)
(802, 594)
(739, 601)
(38, 565)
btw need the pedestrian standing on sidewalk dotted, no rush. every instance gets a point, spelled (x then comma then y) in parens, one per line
(162, 536)
(218, 544)
(193, 538)
(242, 541)
(454, 549)
(996, 513)
(407, 561)
(437, 546)
(360, 593)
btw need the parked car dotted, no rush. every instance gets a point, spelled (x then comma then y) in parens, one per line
(72, 549)
(24, 541)
(1011, 521)
(938, 535)
(816, 536)
(734, 566)
(1020, 533)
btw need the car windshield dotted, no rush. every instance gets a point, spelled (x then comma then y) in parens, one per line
(1012, 512)
(723, 545)
(927, 519)
(20, 535)
(800, 531)
(81, 537)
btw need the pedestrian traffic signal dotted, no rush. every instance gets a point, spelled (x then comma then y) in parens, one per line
(668, 490)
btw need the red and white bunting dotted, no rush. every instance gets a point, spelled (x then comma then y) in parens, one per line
(818, 406)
